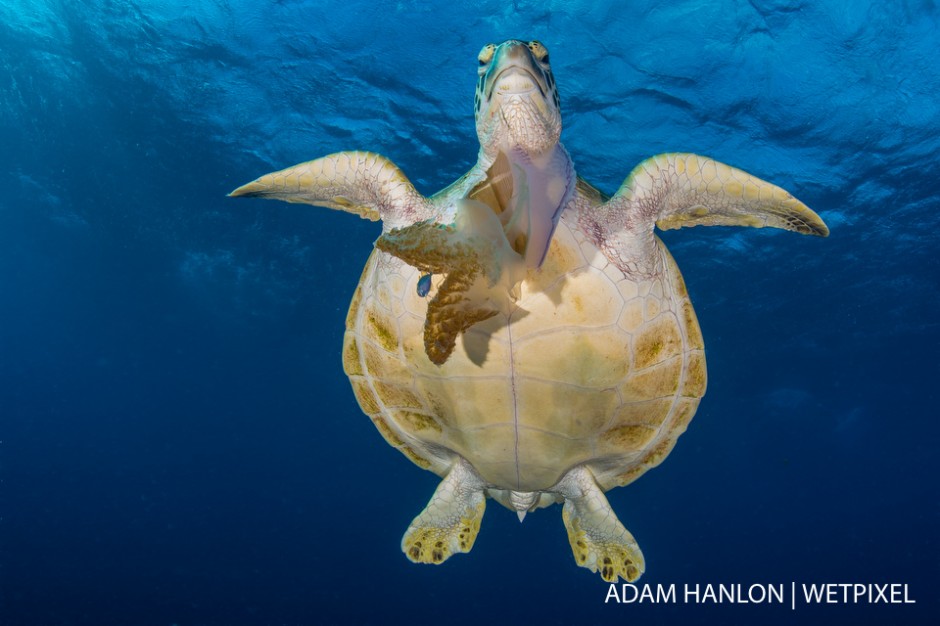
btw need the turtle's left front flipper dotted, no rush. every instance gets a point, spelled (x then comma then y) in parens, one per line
(363, 183)
(481, 269)
(676, 190)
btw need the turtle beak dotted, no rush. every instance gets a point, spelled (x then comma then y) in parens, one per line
(516, 80)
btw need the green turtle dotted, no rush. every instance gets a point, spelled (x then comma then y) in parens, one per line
(519, 333)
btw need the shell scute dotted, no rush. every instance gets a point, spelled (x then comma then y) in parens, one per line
(685, 409)
(469, 404)
(383, 329)
(627, 437)
(657, 381)
(631, 316)
(418, 423)
(569, 410)
(696, 342)
(585, 300)
(352, 363)
(577, 356)
(695, 375)
(646, 412)
(657, 341)
(365, 396)
(396, 396)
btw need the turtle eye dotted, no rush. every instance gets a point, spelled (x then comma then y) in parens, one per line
(486, 54)
(540, 51)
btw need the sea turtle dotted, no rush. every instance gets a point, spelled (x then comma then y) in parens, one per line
(580, 360)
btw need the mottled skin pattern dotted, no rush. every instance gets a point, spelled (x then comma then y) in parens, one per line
(573, 376)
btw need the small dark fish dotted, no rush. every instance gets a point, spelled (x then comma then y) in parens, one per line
(424, 285)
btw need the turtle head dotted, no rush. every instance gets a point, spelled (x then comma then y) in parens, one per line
(516, 100)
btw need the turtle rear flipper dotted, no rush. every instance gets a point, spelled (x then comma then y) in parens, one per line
(450, 522)
(598, 539)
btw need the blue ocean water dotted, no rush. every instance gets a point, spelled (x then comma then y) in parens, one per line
(178, 443)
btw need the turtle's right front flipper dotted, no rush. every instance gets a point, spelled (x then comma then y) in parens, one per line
(363, 183)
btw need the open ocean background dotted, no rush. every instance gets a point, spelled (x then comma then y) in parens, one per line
(178, 443)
